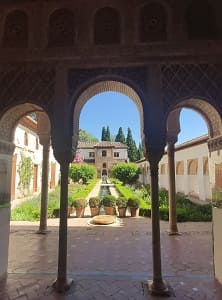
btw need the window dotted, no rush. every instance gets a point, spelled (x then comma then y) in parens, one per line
(180, 168)
(26, 139)
(153, 23)
(104, 165)
(91, 154)
(16, 30)
(103, 153)
(36, 143)
(200, 20)
(61, 31)
(116, 154)
(107, 26)
(192, 166)
(162, 169)
(205, 166)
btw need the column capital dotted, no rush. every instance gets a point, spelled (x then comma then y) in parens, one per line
(44, 139)
(215, 143)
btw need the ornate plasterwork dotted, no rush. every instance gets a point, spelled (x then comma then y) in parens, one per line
(20, 84)
(181, 81)
(81, 78)
(215, 144)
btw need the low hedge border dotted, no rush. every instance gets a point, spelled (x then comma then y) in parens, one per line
(200, 214)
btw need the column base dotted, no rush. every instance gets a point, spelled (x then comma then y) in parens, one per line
(43, 231)
(173, 232)
(62, 285)
(162, 289)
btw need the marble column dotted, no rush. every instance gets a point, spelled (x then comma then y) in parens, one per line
(63, 283)
(45, 142)
(157, 286)
(173, 230)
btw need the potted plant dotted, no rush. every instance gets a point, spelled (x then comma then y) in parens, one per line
(94, 204)
(133, 204)
(109, 202)
(80, 205)
(70, 205)
(121, 203)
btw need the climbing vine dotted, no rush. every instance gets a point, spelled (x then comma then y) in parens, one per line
(25, 171)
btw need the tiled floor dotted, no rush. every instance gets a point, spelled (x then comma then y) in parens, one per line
(110, 262)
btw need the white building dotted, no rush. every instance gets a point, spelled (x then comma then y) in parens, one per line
(192, 160)
(27, 145)
(103, 155)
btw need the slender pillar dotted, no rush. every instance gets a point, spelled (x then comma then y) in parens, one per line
(44, 189)
(62, 283)
(173, 230)
(157, 286)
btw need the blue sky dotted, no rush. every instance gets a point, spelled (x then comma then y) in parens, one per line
(117, 110)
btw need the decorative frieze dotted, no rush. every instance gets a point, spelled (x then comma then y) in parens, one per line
(215, 144)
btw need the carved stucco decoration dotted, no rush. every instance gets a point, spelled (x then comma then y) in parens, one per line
(80, 78)
(215, 144)
(203, 81)
(20, 84)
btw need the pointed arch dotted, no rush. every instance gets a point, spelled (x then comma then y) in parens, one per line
(100, 87)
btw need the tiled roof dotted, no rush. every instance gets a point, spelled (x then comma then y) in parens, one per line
(103, 144)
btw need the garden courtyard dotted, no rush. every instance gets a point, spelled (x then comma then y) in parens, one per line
(110, 262)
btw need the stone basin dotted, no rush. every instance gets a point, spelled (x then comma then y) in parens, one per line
(104, 219)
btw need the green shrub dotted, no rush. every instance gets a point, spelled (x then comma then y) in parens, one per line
(121, 202)
(163, 197)
(133, 202)
(80, 203)
(109, 200)
(84, 172)
(126, 172)
(94, 202)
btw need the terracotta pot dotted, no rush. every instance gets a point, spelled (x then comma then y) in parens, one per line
(134, 211)
(122, 212)
(80, 212)
(109, 210)
(69, 211)
(94, 211)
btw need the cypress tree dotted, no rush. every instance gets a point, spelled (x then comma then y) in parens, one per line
(120, 136)
(103, 137)
(108, 137)
(140, 154)
(132, 149)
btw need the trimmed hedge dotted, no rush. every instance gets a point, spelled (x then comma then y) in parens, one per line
(191, 213)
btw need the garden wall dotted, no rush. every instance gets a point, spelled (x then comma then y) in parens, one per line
(217, 236)
(4, 234)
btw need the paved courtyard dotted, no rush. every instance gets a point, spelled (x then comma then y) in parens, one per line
(110, 262)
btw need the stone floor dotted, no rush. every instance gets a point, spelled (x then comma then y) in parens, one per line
(110, 262)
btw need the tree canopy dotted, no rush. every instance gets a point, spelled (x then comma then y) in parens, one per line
(85, 136)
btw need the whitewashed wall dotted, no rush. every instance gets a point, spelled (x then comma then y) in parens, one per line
(196, 186)
(35, 154)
